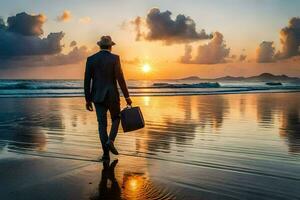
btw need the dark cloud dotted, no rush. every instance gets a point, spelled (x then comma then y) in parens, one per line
(212, 53)
(162, 27)
(73, 43)
(76, 55)
(21, 37)
(13, 44)
(27, 25)
(290, 39)
(265, 52)
(21, 44)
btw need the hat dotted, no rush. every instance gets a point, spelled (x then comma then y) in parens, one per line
(106, 41)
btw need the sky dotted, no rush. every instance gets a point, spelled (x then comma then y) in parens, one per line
(52, 39)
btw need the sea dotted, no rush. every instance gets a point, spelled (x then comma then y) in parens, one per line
(171, 87)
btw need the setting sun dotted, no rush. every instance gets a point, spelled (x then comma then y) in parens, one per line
(146, 68)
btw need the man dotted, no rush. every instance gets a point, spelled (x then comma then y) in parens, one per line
(103, 71)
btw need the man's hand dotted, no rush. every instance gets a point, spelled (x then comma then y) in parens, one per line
(128, 100)
(89, 106)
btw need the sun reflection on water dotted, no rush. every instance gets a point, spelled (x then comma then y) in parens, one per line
(146, 100)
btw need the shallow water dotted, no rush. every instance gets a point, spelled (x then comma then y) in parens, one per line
(239, 146)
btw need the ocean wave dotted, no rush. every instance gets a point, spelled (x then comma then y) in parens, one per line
(78, 85)
(38, 85)
(148, 93)
(34, 85)
(73, 88)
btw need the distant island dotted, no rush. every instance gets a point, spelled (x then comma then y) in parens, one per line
(191, 78)
(262, 77)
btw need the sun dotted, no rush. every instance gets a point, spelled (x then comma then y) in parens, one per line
(146, 68)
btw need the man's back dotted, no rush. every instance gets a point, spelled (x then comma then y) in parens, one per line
(104, 69)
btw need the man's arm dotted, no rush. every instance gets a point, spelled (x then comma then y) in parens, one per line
(121, 80)
(87, 85)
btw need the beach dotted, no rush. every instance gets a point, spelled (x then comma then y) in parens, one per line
(225, 146)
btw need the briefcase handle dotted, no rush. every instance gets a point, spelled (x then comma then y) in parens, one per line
(128, 106)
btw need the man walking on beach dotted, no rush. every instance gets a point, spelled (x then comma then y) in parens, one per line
(103, 71)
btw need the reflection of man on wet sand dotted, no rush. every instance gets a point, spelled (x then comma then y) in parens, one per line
(135, 185)
(106, 190)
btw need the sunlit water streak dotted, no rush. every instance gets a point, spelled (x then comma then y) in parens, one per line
(218, 146)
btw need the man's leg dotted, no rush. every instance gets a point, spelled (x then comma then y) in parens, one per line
(114, 110)
(101, 111)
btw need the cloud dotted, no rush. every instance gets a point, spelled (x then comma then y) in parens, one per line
(290, 39)
(265, 52)
(73, 43)
(290, 42)
(187, 57)
(213, 52)
(77, 54)
(27, 25)
(138, 23)
(21, 44)
(242, 57)
(65, 16)
(85, 20)
(161, 27)
(21, 36)
(14, 44)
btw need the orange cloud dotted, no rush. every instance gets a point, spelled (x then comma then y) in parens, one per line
(65, 16)
(215, 51)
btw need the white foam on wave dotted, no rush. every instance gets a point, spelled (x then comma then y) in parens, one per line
(74, 88)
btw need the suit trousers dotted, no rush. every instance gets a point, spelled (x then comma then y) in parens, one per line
(101, 111)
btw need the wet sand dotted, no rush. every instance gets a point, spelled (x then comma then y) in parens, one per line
(241, 146)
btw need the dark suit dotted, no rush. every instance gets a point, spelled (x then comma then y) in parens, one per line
(103, 71)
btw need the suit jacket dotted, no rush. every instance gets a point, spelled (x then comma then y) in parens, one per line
(103, 71)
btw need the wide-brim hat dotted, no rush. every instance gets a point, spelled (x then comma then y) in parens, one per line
(105, 41)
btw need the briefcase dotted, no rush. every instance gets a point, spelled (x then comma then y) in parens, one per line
(132, 119)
